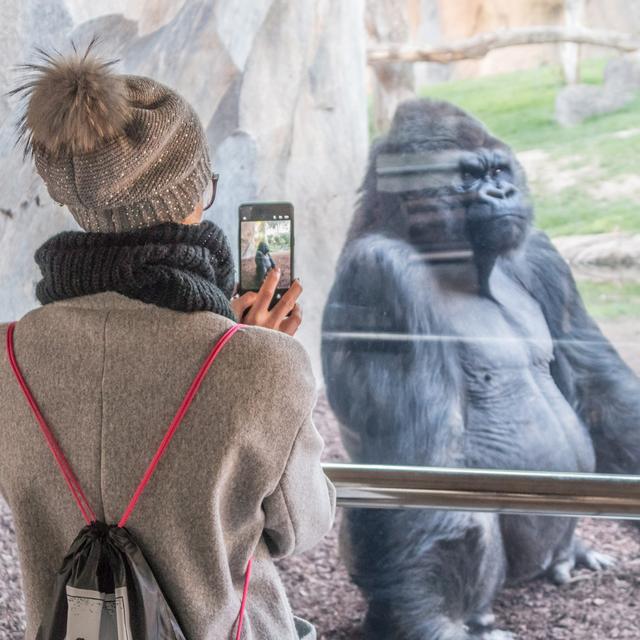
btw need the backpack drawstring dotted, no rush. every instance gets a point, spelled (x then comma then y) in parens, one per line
(72, 481)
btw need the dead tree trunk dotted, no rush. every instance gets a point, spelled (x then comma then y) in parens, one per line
(388, 21)
(570, 52)
(480, 45)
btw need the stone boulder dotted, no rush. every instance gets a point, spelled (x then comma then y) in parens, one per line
(615, 250)
(575, 103)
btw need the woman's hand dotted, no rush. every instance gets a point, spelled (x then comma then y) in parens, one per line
(253, 308)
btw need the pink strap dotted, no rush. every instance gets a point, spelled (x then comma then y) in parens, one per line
(71, 480)
(175, 423)
(245, 595)
(65, 467)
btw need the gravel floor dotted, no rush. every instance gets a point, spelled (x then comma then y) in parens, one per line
(594, 606)
(11, 603)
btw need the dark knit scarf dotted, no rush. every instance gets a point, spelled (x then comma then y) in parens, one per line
(187, 267)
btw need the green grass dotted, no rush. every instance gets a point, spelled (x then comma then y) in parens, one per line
(572, 212)
(611, 300)
(519, 108)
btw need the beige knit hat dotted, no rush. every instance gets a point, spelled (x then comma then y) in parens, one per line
(122, 152)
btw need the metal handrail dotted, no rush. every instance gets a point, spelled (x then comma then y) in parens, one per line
(544, 493)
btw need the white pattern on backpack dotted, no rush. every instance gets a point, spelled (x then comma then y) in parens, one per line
(97, 616)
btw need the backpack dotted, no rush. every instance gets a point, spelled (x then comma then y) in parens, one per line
(105, 589)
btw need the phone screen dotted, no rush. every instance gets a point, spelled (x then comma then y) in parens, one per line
(265, 241)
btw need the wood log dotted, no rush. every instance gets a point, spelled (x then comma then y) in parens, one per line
(478, 46)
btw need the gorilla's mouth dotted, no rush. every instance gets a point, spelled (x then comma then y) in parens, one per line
(485, 212)
(512, 214)
(498, 231)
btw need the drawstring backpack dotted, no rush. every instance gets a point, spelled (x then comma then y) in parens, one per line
(105, 590)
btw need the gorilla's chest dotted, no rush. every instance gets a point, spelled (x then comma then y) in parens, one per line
(516, 417)
(507, 335)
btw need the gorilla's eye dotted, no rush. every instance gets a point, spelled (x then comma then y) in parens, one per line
(502, 170)
(470, 174)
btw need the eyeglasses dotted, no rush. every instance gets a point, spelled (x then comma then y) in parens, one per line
(214, 183)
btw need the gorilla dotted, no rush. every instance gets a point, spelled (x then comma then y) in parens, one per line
(454, 336)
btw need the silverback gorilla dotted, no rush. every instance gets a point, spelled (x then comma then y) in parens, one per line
(454, 336)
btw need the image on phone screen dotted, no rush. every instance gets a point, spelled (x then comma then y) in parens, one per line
(263, 245)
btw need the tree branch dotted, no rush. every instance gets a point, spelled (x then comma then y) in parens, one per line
(478, 46)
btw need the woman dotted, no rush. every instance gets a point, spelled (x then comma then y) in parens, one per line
(131, 308)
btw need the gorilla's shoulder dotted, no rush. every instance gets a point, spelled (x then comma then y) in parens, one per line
(540, 268)
(540, 258)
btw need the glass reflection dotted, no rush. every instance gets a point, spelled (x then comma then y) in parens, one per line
(454, 335)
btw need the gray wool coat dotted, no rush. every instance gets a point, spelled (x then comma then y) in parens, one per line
(241, 477)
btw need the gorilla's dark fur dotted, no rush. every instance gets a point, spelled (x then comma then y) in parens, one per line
(489, 361)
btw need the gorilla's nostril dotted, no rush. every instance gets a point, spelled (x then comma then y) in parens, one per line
(493, 192)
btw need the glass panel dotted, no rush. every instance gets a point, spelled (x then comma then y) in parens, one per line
(444, 329)
(456, 337)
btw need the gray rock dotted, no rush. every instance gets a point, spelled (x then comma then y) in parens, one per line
(623, 71)
(615, 250)
(577, 102)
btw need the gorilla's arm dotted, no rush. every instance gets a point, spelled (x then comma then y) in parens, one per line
(590, 373)
(391, 381)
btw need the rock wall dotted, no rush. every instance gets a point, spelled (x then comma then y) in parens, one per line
(279, 86)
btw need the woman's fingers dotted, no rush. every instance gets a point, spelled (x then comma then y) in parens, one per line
(267, 291)
(240, 305)
(285, 316)
(290, 325)
(281, 310)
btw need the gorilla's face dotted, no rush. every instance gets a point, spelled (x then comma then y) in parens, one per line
(497, 212)
(443, 182)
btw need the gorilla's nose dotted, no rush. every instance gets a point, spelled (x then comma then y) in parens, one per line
(495, 192)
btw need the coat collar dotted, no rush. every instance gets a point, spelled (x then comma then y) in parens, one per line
(104, 300)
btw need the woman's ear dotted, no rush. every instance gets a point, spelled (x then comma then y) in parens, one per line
(195, 217)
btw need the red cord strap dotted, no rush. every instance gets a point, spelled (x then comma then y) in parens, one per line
(71, 480)
(65, 468)
(175, 423)
(245, 596)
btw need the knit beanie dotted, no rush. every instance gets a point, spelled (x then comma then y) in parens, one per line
(121, 152)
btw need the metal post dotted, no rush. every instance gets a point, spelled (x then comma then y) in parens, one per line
(571, 494)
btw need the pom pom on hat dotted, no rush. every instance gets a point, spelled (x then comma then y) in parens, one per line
(121, 152)
(74, 104)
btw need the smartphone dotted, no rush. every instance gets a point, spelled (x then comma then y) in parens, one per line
(265, 240)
